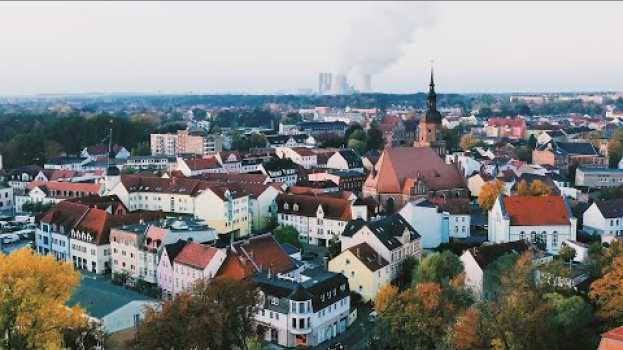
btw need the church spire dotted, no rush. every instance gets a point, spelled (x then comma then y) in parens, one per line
(432, 96)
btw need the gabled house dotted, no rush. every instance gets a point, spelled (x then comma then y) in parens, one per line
(298, 140)
(194, 167)
(281, 170)
(231, 162)
(366, 270)
(302, 156)
(195, 261)
(604, 218)
(392, 237)
(545, 221)
(261, 253)
(318, 218)
(101, 152)
(345, 159)
(476, 261)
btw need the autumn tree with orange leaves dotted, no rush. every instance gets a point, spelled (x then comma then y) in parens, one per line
(34, 291)
(607, 293)
(489, 193)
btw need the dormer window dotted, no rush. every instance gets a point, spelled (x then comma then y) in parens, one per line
(295, 207)
(286, 206)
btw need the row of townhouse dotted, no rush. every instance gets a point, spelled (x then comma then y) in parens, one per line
(319, 218)
(242, 204)
(135, 249)
(226, 210)
(78, 233)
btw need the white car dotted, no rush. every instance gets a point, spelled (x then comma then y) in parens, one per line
(9, 238)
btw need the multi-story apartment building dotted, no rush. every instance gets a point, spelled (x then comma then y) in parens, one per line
(318, 218)
(304, 310)
(78, 233)
(185, 142)
(221, 206)
(53, 234)
(163, 144)
(136, 248)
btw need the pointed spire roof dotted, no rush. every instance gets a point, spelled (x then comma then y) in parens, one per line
(432, 115)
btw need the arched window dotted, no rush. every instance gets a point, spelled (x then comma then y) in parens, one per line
(533, 237)
(522, 235)
(286, 206)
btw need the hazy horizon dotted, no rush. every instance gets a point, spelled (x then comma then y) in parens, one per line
(274, 47)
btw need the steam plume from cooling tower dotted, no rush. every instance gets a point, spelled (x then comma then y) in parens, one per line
(376, 39)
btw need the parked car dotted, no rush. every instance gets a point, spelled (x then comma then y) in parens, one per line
(9, 238)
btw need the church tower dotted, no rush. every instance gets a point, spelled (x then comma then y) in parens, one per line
(429, 134)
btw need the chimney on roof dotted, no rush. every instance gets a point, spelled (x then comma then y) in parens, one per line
(378, 259)
(357, 252)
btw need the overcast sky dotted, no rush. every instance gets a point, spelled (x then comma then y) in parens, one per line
(267, 47)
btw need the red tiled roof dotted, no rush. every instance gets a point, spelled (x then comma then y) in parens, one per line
(202, 164)
(261, 252)
(304, 152)
(62, 189)
(196, 255)
(612, 340)
(178, 185)
(98, 222)
(66, 214)
(406, 165)
(307, 205)
(52, 175)
(536, 211)
(515, 122)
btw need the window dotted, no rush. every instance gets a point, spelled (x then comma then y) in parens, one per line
(555, 239)
(274, 301)
(294, 323)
